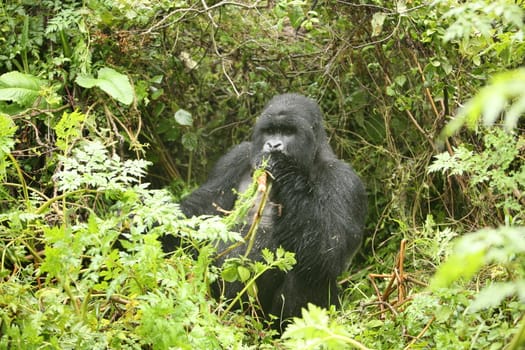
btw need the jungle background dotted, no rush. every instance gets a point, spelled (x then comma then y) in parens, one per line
(111, 111)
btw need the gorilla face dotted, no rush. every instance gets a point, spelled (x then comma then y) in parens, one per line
(290, 127)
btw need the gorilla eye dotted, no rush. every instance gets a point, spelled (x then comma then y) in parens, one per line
(279, 129)
(276, 129)
(287, 130)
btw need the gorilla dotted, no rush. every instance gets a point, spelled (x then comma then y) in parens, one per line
(316, 206)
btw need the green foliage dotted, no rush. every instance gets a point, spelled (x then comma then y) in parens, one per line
(481, 18)
(110, 81)
(7, 132)
(90, 166)
(24, 90)
(183, 117)
(504, 246)
(505, 95)
(89, 270)
(387, 75)
(247, 272)
(89, 294)
(68, 130)
(315, 330)
(442, 319)
(496, 175)
(20, 88)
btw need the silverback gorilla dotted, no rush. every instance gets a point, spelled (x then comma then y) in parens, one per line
(317, 204)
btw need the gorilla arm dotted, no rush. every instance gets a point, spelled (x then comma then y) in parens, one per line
(217, 193)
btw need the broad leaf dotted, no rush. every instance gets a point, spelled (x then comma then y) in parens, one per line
(183, 117)
(113, 83)
(20, 88)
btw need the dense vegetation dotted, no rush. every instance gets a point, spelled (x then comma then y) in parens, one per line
(110, 111)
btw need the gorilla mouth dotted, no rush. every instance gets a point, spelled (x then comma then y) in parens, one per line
(268, 159)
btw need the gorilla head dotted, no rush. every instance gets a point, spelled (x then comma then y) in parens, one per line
(290, 124)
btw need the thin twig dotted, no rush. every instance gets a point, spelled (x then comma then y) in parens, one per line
(423, 331)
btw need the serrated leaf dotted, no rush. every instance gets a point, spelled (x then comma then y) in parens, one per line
(268, 256)
(493, 295)
(7, 131)
(183, 117)
(69, 128)
(189, 141)
(93, 227)
(113, 83)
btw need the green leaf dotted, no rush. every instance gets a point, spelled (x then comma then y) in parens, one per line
(20, 88)
(315, 328)
(492, 108)
(494, 294)
(252, 289)
(189, 141)
(86, 82)
(229, 273)
(400, 80)
(514, 113)
(459, 266)
(115, 84)
(7, 132)
(506, 91)
(244, 273)
(183, 117)
(68, 129)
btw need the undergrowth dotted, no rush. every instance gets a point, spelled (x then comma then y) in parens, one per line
(98, 99)
(83, 268)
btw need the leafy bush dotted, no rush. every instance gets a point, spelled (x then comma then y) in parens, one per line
(495, 175)
(65, 283)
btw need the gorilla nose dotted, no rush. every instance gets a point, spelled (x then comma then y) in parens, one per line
(273, 145)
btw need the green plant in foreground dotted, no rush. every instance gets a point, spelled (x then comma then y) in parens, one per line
(85, 269)
(80, 291)
(316, 330)
(505, 247)
(503, 96)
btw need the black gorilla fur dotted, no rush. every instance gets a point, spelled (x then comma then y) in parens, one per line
(317, 210)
